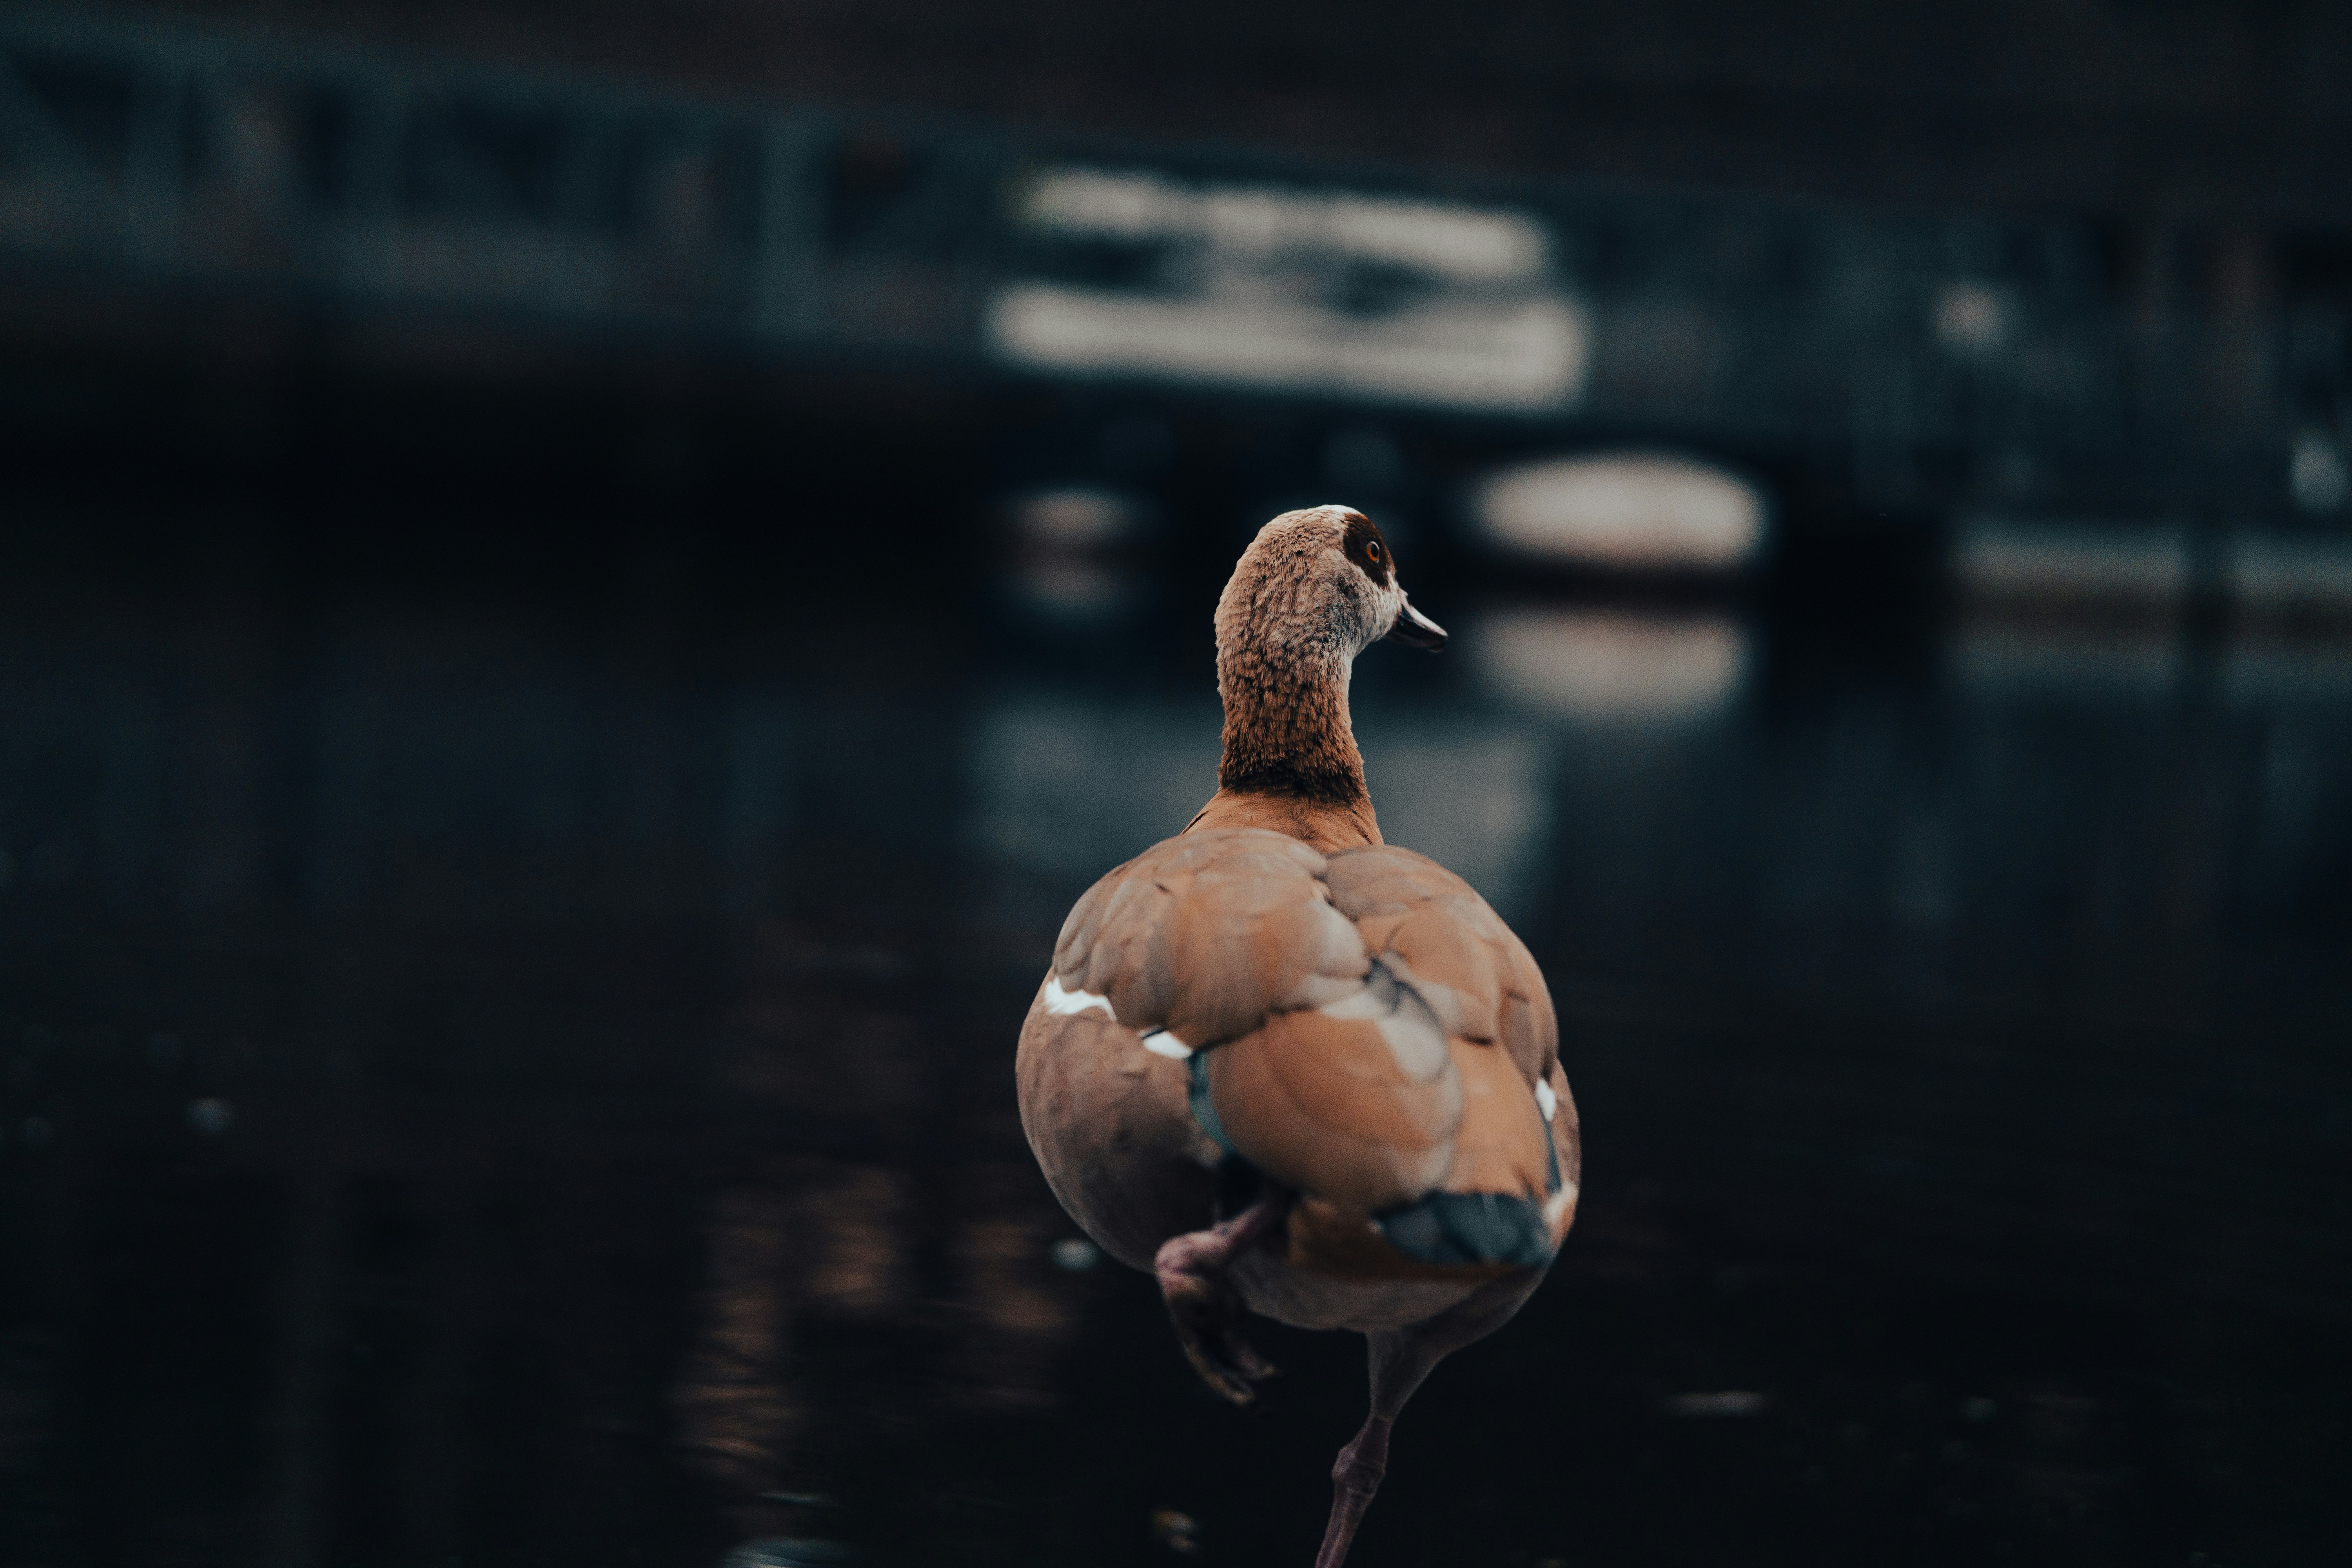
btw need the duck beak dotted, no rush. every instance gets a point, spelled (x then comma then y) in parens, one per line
(1416, 630)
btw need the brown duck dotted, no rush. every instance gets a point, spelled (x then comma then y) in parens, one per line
(1286, 1067)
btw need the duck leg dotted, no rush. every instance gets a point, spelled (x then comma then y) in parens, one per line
(1401, 1359)
(1202, 1303)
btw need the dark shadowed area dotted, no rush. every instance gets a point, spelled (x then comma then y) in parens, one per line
(567, 641)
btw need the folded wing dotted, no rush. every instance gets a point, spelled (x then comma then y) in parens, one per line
(1362, 1027)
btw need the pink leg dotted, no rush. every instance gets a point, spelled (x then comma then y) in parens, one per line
(1202, 1303)
(1401, 1359)
(1354, 1480)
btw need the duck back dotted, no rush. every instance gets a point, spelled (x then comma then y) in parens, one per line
(1358, 1026)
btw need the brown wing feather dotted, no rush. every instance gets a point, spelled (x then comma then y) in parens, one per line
(1363, 1089)
(1206, 934)
(1530, 1029)
(1567, 1143)
(1113, 1131)
(1326, 1106)
(1429, 924)
(1501, 1146)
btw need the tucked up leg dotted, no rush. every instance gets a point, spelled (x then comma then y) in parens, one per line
(1202, 1303)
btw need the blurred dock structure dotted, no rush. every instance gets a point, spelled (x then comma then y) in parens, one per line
(1914, 364)
(565, 647)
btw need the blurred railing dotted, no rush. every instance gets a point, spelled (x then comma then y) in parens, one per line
(1936, 361)
(209, 159)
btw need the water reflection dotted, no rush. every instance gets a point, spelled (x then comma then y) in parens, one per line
(476, 1089)
(1075, 785)
(1610, 665)
(1635, 510)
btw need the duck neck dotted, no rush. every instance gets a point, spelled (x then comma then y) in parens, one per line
(1288, 731)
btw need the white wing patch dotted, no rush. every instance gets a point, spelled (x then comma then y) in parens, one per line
(1063, 1003)
(1159, 1042)
(1557, 1202)
(1547, 1099)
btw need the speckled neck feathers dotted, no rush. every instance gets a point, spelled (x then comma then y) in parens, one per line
(1285, 651)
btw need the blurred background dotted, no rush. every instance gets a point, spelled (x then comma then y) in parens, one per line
(582, 586)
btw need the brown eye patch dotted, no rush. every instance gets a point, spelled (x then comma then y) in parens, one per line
(1365, 547)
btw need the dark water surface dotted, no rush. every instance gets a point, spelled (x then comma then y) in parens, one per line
(487, 1085)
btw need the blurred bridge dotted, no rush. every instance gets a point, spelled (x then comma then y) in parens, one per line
(1925, 362)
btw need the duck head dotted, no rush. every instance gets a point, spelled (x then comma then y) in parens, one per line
(1321, 579)
(1314, 589)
